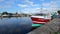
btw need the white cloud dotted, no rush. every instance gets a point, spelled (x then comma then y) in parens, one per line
(49, 7)
(35, 5)
(45, 4)
(52, 6)
(31, 10)
(49, 4)
(23, 5)
(38, 10)
(35, 10)
(31, 3)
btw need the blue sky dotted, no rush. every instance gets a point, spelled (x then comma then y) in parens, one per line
(29, 6)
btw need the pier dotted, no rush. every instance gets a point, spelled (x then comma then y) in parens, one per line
(53, 27)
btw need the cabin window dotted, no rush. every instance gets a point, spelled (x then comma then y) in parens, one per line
(40, 15)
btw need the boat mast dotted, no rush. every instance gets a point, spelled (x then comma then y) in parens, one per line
(41, 6)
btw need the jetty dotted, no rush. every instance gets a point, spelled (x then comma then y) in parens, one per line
(53, 27)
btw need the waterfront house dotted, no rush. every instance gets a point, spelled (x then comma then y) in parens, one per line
(5, 15)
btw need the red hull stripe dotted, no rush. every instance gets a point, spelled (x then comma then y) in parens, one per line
(38, 22)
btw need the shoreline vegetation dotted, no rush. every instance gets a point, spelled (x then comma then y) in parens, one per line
(6, 14)
(15, 15)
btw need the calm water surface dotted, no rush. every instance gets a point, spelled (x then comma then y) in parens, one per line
(15, 25)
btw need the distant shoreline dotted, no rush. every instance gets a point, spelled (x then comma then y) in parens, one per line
(12, 16)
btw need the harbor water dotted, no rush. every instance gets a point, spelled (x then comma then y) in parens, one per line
(15, 25)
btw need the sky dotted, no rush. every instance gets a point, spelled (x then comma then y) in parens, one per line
(29, 6)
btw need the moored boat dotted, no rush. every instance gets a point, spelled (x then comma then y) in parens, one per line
(41, 18)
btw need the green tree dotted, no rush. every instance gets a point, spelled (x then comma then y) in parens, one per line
(58, 11)
(4, 13)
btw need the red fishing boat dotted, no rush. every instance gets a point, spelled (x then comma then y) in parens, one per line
(41, 18)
